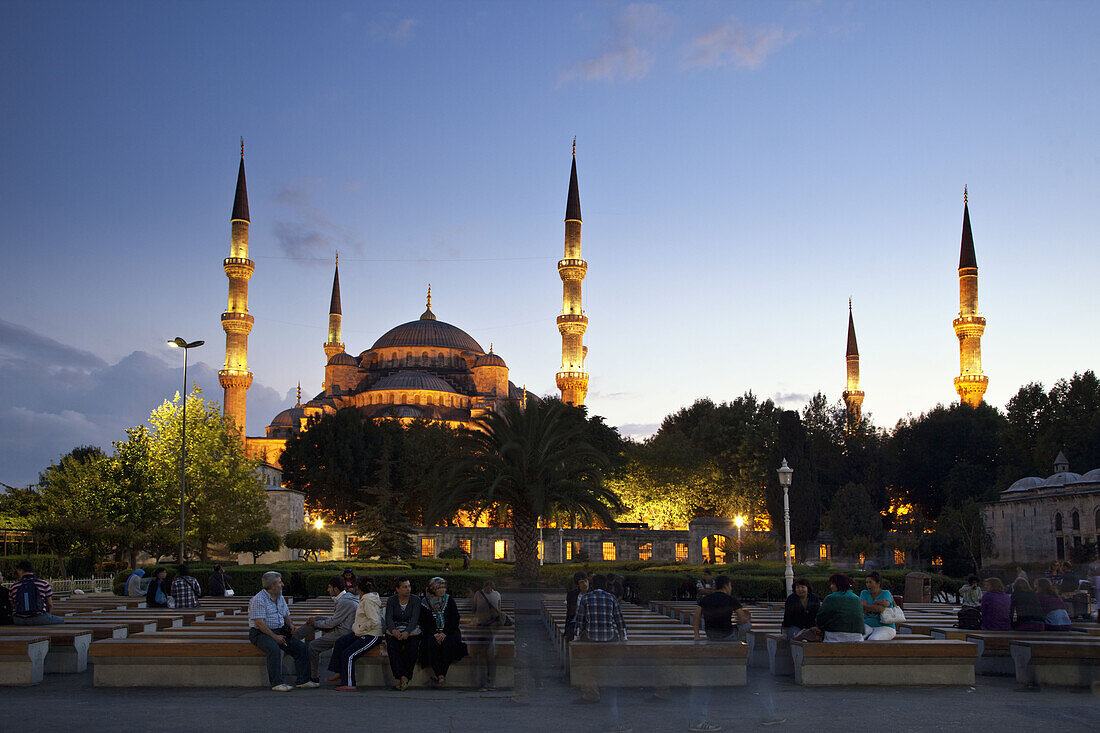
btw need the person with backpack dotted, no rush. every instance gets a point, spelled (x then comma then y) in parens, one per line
(185, 589)
(158, 593)
(31, 599)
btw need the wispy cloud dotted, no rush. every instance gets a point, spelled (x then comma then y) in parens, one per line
(393, 27)
(628, 55)
(309, 233)
(735, 44)
(790, 399)
(638, 431)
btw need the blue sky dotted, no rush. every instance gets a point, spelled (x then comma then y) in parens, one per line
(745, 168)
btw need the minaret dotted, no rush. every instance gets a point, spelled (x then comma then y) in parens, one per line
(969, 326)
(334, 345)
(235, 377)
(853, 397)
(572, 379)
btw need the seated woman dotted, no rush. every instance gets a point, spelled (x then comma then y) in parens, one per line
(366, 633)
(841, 615)
(442, 645)
(875, 600)
(402, 625)
(156, 595)
(1055, 615)
(1025, 611)
(800, 610)
(995, 605)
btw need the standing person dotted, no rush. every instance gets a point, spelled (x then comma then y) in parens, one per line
(218, 584)
(580, 587)
(333, 626)
(995, 606)
(841, 615)
(159, 590)
(1025, 611)
(402, 628)
(715, 613)
(875, 600)
(465, 560)
(705, 584)
(133, 583)
(366, 633)
(442, 645)
(5, 604)
(800, 609)
(271, 630)
(600, 619)
(489, 618)
(31, 599)
(185, 589)
(349, 580)
(1055, 615)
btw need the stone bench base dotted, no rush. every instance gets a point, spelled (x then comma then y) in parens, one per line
(22, 660)
(1056, 664)
(883, 663)
(658, 664)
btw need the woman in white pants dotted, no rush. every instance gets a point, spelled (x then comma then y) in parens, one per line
(876, 599)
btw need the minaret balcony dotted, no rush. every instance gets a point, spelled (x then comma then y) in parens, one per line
(572, 269)
(240, 378)
(239, 267)
(969, 326)
(237, 323)
(572, 380)
(572, 324)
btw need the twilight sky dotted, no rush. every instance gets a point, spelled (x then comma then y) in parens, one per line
(745, 168)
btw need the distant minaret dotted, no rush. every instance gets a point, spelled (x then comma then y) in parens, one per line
(334, 345)
(969, 326)
(572, 379)
(235, 377)
(853, 397)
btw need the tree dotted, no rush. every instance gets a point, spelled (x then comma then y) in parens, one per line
(794, 445)
(310, 541)
(853, 514)
(257, 543)
(965, 528)
(382, 524)
(534, 462)
(753, 546)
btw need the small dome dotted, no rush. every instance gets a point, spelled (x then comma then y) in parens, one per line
(1024, 484)
(413, 380)
(489, 359)
(343, 359)
(288, 418)
(1061, 479)
(1093, 475)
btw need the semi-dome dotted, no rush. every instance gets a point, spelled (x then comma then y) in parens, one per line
(413, 380)
(288, 418)
(1093, 475)
(342, 359)
(426, 332)
(1024, 484)
(1061, 479)
(489, 359)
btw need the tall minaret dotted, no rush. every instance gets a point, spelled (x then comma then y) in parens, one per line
(572, 379)
(853, 397)
(969, 326)
(235, 377)
(334, 345)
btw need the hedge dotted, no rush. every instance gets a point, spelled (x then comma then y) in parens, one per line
(45, 566)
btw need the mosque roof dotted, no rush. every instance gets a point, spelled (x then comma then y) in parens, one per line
(342, 359)
(288, 418)
(966, 250)
(1061, 479)
(573, 201)
(1024, 484)
(412, 380)
(427, 332)
(489, 359)
(240, 198)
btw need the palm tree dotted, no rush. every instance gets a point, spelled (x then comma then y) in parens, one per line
(534, 462)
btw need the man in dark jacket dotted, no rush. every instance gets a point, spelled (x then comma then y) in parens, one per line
(218, 583)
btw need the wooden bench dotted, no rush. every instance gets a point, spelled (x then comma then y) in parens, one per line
(895, 662)
(68, 649)
(994, 656)
(653, 663)
(22, 659)
(1058, 663)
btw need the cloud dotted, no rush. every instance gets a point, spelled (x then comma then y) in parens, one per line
(309, 233)
(789, 399)
(627, 56)
(638, 431)
(734, 44)
(56, 397)
(393, 28)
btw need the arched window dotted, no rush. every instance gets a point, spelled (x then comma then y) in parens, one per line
(1058, 522)
(405, 401)
(1075, 520)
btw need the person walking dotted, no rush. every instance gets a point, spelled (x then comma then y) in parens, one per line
(442, 643)
(218, 584)
(185, 589)
(401, 624)
(159, 590)
(600, 619)
(366, 634)
(489, 619)
(332, 627)
(271, 630)
(714, 613)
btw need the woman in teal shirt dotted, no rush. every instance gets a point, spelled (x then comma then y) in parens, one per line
(876, 600)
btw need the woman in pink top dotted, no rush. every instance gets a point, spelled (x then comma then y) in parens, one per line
(995, 606)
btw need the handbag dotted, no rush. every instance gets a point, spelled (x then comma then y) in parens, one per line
(171, 602)
(892, 615)
(229, 591)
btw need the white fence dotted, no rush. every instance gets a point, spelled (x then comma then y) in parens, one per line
(104, 584)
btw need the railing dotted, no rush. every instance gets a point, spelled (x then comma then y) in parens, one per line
(100, 584)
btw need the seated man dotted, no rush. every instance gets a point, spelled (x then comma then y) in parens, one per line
(271, 630)
(31, 599)
(333, 627)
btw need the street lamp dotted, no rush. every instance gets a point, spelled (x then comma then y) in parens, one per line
(179, 343)
(561, 545)
(785, 472)
(739, 520)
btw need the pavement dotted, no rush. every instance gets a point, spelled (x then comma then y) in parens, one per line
(543, 701)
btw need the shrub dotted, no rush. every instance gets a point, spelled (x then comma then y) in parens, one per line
(452, 553)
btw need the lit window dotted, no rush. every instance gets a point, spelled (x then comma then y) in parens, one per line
(608, 550)
(645, 552)
(464, 545)
(427, 547)
(681, 552)
(500, 549)
(899, 557)
(822, 552)
(862, 558)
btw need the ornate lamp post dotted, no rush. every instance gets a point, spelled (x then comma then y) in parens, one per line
(179, 343)
(561, 544)
(739, 520)
(785, 472)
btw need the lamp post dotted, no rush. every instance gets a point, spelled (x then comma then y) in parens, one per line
(785, 472)
(561, 545)
(739, 520)
(542, 547)
(179, 343)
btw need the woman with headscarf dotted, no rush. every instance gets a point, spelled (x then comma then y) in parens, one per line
(442, 644)
(133, 583)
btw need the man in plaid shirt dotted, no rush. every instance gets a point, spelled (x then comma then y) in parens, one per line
(185, 589)
(599, 614)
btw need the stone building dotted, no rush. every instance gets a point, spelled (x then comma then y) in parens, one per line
(1040, 519)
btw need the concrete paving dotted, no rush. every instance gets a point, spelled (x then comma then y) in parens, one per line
(543, 701)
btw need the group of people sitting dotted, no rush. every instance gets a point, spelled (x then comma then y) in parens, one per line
(988, 607)
(183, 591)
(415, 629)
(841, 615)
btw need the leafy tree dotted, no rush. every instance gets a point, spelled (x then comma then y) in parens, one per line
(382, 524)
(853, 514)
(258, 543)
(861, 545)
(806, 505)
(309, 540)
(964, 527)
(534, 462)
(754, 546)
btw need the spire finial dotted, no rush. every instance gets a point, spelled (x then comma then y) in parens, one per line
(428, 315)
(299, 394)
(242, 147)
(429, 296)
(337, 258)
(574, 146)
(849, 304)
(490, 347)
(964, 195)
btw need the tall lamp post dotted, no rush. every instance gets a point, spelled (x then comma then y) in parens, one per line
(739, 520)
(179, 343)
(785, 472)
(561, 544)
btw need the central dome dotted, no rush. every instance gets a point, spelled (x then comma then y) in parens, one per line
(426, 332)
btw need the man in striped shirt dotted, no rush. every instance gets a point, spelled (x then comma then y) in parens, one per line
(32, 599)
